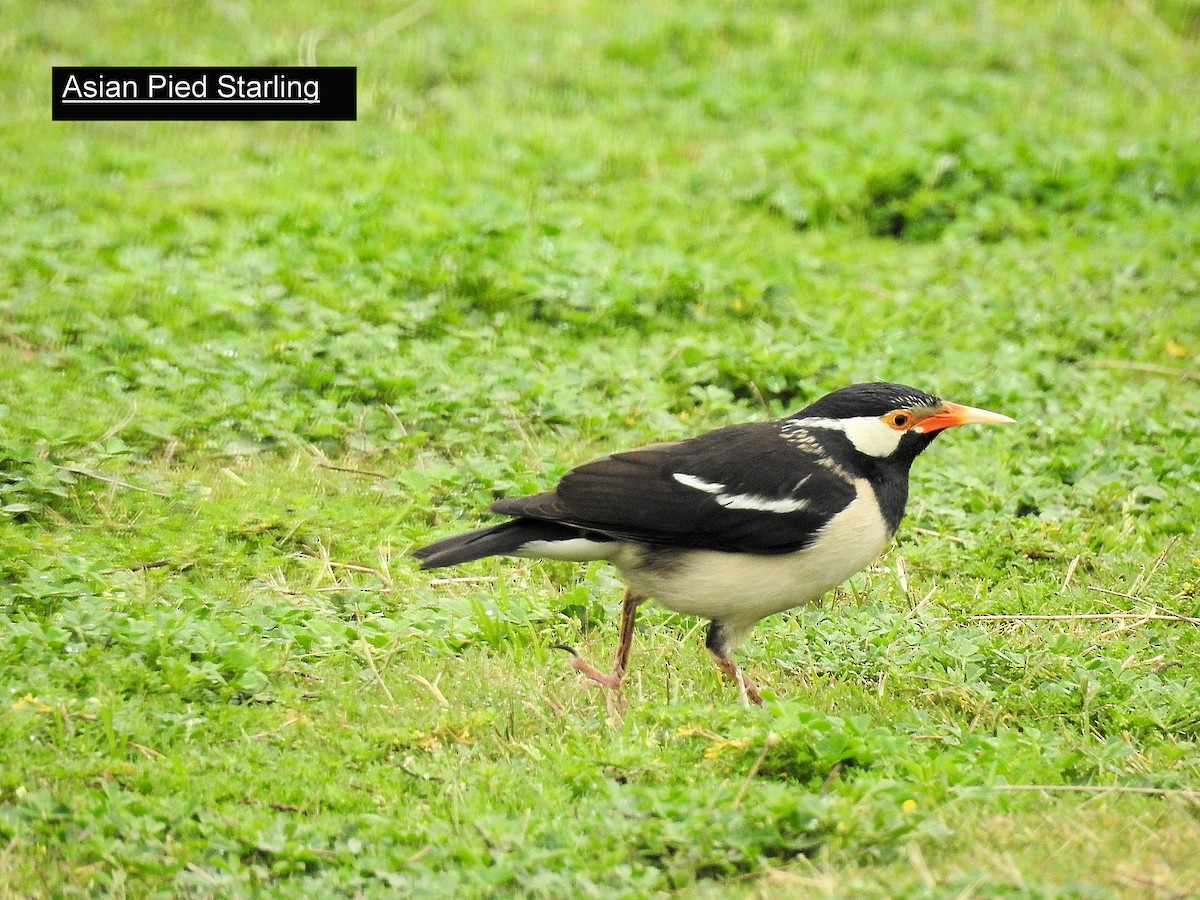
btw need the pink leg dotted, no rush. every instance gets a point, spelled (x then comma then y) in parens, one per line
(746, 688)
(613, 682)
(719, 645)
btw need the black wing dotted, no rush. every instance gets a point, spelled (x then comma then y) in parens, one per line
(741, 489)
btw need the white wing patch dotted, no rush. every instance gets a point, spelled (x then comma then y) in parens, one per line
(709, 487)
(761, 503)
(744, 501)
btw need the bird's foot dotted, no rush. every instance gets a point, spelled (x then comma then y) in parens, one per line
(747, 689)
(614, 697)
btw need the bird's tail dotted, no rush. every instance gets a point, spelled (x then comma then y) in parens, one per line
(506, 539)
(459, 548)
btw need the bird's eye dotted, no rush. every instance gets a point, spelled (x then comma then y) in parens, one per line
(899, 420)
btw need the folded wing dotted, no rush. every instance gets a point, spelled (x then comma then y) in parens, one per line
(740, 489)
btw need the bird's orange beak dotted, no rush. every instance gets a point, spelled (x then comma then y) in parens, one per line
(952, 414)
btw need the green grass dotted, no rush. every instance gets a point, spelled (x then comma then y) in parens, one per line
(249, 366)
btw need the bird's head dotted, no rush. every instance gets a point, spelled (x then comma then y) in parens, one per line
(892, 422)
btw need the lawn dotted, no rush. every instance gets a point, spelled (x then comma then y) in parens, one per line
(248, 367)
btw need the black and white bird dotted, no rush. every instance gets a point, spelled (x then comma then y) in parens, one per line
(733, 525)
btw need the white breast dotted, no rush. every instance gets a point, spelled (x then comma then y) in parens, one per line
(740, 588)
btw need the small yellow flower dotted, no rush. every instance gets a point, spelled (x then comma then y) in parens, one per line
(712, 751)
(909, 805)
(30, 701)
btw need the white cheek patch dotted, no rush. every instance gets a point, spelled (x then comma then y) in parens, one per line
(873, 436)
(868, 434)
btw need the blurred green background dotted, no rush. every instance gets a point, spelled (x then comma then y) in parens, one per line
(248, 365)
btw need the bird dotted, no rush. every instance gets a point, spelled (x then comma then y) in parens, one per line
(732, 525)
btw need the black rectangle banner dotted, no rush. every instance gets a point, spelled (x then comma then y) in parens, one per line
(208, 93)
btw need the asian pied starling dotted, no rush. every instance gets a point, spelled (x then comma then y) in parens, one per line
(735, 524)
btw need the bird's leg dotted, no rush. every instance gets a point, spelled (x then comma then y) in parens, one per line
(718, 644)
(747, 689)
(629, 605)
